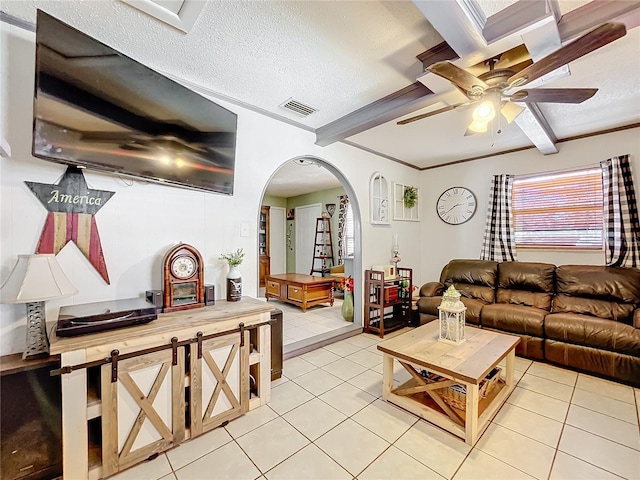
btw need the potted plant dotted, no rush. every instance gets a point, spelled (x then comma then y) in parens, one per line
(234, 278)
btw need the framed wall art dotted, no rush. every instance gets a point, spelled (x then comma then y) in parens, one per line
(379, 203)
(406, 201)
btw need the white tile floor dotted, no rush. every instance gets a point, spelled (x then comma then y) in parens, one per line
(327, 421)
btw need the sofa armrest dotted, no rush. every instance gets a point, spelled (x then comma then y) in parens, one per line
(431, 289)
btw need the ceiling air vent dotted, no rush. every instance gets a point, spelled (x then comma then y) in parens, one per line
(298, 107)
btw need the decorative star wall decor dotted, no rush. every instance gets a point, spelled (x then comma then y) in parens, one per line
(72, 206)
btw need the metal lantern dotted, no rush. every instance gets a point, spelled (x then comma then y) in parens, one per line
(452, 317)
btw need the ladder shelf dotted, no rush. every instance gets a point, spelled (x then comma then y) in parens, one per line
(322, 248)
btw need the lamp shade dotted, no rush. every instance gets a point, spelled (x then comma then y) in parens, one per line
(36, 278)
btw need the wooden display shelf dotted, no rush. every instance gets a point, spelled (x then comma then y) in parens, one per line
(380, 314)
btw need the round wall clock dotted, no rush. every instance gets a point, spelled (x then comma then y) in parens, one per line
(183, 276)
(456, 205)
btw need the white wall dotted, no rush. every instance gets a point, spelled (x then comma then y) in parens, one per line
(442, 242)
(143, 220)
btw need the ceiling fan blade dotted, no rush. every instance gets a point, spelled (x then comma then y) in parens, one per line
(459, 77)
(596, 38)
(429, 114)
(554, 95)
(510, 111)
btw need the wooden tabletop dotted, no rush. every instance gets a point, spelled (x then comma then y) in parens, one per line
(222, 316)
(300, 278)
(470, 361)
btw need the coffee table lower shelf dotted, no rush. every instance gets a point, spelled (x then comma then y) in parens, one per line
(467, 424)
(424, 406)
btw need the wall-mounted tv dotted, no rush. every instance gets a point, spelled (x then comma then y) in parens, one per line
(98, 108)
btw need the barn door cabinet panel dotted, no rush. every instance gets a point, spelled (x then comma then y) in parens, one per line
(219, 382)
(175, 378)
(143, 410)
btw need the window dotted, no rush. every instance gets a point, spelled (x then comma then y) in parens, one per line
(349, 238)
(559, 209)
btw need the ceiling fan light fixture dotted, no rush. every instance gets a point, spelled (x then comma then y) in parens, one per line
(485, 112)
(478, 126)
(510, 111)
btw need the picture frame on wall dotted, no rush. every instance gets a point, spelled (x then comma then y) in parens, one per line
(406, 201)
(379, 204)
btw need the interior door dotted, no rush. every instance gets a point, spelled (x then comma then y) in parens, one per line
(277, 240)
(305, 220)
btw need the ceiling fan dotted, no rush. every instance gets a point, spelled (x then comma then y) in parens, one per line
(491, 90)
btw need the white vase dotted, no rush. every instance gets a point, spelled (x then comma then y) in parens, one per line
(234, 284)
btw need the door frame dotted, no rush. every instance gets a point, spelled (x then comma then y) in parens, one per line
(358, 272)
(284, 236)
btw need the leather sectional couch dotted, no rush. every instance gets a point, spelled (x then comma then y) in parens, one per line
(583, 317)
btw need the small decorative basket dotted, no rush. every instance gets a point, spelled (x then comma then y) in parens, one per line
(456, 395)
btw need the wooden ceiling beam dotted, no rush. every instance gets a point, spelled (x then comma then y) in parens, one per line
(399, 103)
(596, 13)
(469, 38)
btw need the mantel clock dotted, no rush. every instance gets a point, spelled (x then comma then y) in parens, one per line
(183, 275)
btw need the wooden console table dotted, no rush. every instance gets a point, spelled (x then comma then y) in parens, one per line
(146, 378)
(301, 290)
(466, 364)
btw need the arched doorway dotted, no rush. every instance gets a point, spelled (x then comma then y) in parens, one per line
(313, 166)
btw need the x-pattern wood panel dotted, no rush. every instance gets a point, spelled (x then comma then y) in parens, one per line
(430, 389)
(146, 407)
(235, 363)
(221, 377)
(116, 458)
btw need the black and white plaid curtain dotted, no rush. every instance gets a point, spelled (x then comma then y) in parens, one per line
(342, 220)
(499, 243)
(620, 216)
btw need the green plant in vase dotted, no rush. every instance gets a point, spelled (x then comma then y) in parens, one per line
(234, 278)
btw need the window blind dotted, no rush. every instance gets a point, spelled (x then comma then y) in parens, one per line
(349, 234)
(559, 209)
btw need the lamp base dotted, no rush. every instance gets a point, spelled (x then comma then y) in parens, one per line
(37, 340)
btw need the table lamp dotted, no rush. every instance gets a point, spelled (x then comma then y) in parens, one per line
(34, 279)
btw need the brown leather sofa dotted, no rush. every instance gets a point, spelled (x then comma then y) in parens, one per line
(580, 316)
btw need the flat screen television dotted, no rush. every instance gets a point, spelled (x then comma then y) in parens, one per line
(98, 108)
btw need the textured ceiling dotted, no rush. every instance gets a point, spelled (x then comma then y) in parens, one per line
(335, 56)
(339, 56)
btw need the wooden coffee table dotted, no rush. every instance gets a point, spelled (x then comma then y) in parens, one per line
(466, 364)
(304, 291)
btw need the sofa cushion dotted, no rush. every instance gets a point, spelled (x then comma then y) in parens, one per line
(621, 368)
(472, 278)
(431, 289)
(526, 283)
(513, 318)
(605, 292)
(620, 312)
(429, 305)
(593, 332)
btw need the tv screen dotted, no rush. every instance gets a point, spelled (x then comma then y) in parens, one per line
(98, 108)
